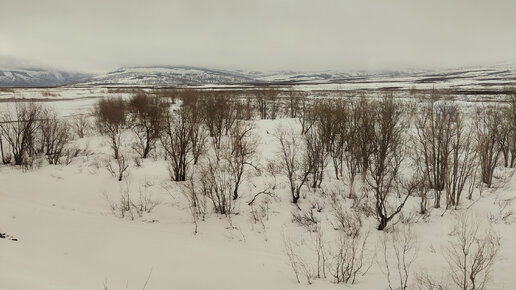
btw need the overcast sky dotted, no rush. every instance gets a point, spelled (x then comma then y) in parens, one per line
(101, 35)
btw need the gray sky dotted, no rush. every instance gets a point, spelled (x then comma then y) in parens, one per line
(101, 35)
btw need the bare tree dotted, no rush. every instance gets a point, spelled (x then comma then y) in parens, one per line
(363, 119)
(199, 138)
(462, 164)
(197, 201)
(81, 125)
(267, 103)
(111, 117)
(386, 159)
(214, 109)
(19, 129)
(399, 251)
(6, 157)
(295, 100)
(177, 142)
(349, 258)
(471, 255)
(55, 135)
(510, 115)
(242, 150)
(218, 184)
(120, 167)
(147, 116)
(231, 113)
(331, 129)
(295, 163)
(488, 132)
(223, 171)
(305, 115)
(199, 135)
(317, 155)
(436, 127)
(504, 136)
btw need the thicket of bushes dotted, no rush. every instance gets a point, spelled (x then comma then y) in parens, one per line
(386, 152)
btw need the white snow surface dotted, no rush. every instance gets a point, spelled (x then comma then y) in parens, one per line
(69, 239)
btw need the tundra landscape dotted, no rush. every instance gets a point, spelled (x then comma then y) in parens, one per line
(250, 164)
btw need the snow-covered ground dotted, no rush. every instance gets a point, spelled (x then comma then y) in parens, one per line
(66, 101)
(68, 238)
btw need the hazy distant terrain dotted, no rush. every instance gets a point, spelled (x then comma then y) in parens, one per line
(488, 78)
(29, 77)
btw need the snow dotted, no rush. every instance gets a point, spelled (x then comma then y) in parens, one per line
(69, 239)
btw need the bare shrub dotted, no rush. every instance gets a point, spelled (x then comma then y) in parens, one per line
(217, 184)
(144, 203)
(317, 154)
(55, 135)
(297, 263)
(267, 103)
(295, 103)
(462, 164)
(129, 207)
(510, 116)
(471, 255)
(504, 136)
(349, 258)
(399, 252)
(147, 116)
(122, 207)
(363, 119)
(216, 110)
(223, 173)
(295, 164)
(320, 250)
(386, 159)
(488, 132)
(6, 157)
(177, 142)
(305, 115)
(260, 210)
(242, 149)
(111, 115)
(306, 218)
(19, 129)
(332, 123)
(118, 168)
(71, 152)
(348, 221)
(197, 201)
(81, 125)
(436, 128)
(199, 134)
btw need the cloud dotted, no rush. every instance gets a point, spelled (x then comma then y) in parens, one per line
(259, 35)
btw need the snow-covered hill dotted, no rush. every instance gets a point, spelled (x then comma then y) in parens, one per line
(482, 78)
(167, 76)
(472, 78)
(36, 77)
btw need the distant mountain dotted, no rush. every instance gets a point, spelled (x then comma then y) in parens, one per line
(37, 77)
(479, 78)
(196, 76)
(482, 78)
(167, 76)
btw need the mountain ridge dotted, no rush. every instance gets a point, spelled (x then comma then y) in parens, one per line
(170, 75)
(38, 77)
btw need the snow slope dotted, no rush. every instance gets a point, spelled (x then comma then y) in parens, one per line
(496, 77)
(69, 239)
(36, 77)
(166, 76)
(480, 78)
